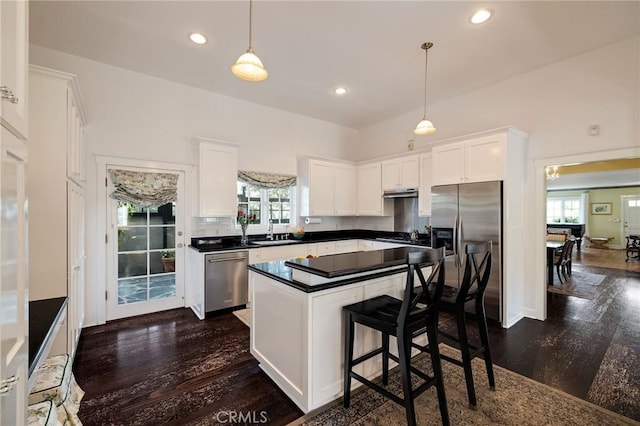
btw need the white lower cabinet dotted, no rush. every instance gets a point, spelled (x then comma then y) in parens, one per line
(346, 246)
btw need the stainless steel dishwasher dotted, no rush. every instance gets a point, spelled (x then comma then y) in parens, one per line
(226, 280)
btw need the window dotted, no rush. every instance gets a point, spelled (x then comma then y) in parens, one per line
(266, 204)
(564, 210)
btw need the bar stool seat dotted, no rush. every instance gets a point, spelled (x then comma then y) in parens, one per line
(54, 382)
(401, 318)
(42, 414)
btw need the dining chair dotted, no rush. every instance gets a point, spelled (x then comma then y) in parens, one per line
(417, 310)
(563, 261)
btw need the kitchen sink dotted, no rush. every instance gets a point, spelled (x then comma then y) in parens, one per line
(275, 242)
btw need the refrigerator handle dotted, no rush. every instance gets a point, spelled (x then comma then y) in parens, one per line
(454, 243)
(459, 242)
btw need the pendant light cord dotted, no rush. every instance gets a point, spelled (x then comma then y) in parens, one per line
(426, 63)
(250, 13)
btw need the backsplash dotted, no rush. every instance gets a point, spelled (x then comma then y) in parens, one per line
(215, 226)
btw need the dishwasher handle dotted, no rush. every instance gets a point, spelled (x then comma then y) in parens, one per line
(226, 257)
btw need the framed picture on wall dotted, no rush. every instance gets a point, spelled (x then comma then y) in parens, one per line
(600, 208)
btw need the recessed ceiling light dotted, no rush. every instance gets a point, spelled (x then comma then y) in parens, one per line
(480, 16)
(340, 90)
(197, 38)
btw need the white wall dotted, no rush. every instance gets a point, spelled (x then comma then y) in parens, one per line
(555, 105)
(137, 116)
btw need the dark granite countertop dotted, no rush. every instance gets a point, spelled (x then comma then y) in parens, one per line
(43, 315)
(341, 264)
(212, 244)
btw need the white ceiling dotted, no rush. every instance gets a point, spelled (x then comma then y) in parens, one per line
(311, 47)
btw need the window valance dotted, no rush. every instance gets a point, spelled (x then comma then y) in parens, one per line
(267, 180)
(144, 189)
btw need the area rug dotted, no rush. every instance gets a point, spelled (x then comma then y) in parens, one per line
(517, 400)
(244, 315)
(581, 284)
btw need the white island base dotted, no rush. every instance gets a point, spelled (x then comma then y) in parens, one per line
(298, 337)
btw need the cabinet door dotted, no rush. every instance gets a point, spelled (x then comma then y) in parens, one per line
(448, 164)
(218, 177)
(424, 193)
(74, 140)
(345, 190)
(370, 201)
(14, 59)
(14, 284)
(348, 246)
(321, 188)
(390, 174)
(75, 258)
(409, 168)
(485, 159)
(327, 247)
(327, 348)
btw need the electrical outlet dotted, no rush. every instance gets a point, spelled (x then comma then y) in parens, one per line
(410, 146)
(594, 130)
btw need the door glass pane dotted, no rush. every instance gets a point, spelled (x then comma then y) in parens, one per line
(162, 237)
(131, 265)
(132, 239)
(146, 251)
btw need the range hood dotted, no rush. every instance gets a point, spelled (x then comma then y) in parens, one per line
(401, 193)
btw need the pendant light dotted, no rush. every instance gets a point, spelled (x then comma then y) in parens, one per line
(248, 66)
(425, 127)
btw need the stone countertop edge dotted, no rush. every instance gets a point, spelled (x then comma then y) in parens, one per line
(285, 278)
(43, 315)
(297, 242)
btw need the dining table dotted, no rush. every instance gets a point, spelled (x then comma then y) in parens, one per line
(552, 246)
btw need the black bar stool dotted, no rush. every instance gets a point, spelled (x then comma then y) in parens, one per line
(401, 318)
(474, 283)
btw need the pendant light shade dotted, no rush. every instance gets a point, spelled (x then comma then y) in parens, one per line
(425, 127)
(248, 66)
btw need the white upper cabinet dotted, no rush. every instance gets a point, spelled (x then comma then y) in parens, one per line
(14, 59)
(345, 189)
(217, 178)
(326, 188)
(476, 160)
(369, 191)
(400, 173)
(424, 192)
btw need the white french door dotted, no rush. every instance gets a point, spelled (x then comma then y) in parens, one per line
(145, 253)
(630, 215)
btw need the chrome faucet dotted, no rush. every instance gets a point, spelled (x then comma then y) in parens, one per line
(270, 230)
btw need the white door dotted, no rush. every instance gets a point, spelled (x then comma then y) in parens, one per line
(145, 254)
(14, 304)
(630, 215)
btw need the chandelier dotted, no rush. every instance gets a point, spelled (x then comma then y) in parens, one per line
(552, 172)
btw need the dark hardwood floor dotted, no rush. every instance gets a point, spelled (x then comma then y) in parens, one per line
(170, 367)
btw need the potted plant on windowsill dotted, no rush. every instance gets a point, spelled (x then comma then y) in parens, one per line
(168, 260)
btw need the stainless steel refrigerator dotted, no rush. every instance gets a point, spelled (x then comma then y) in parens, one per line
(466, 213)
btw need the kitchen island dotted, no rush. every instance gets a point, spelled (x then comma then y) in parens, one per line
(297, 323)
